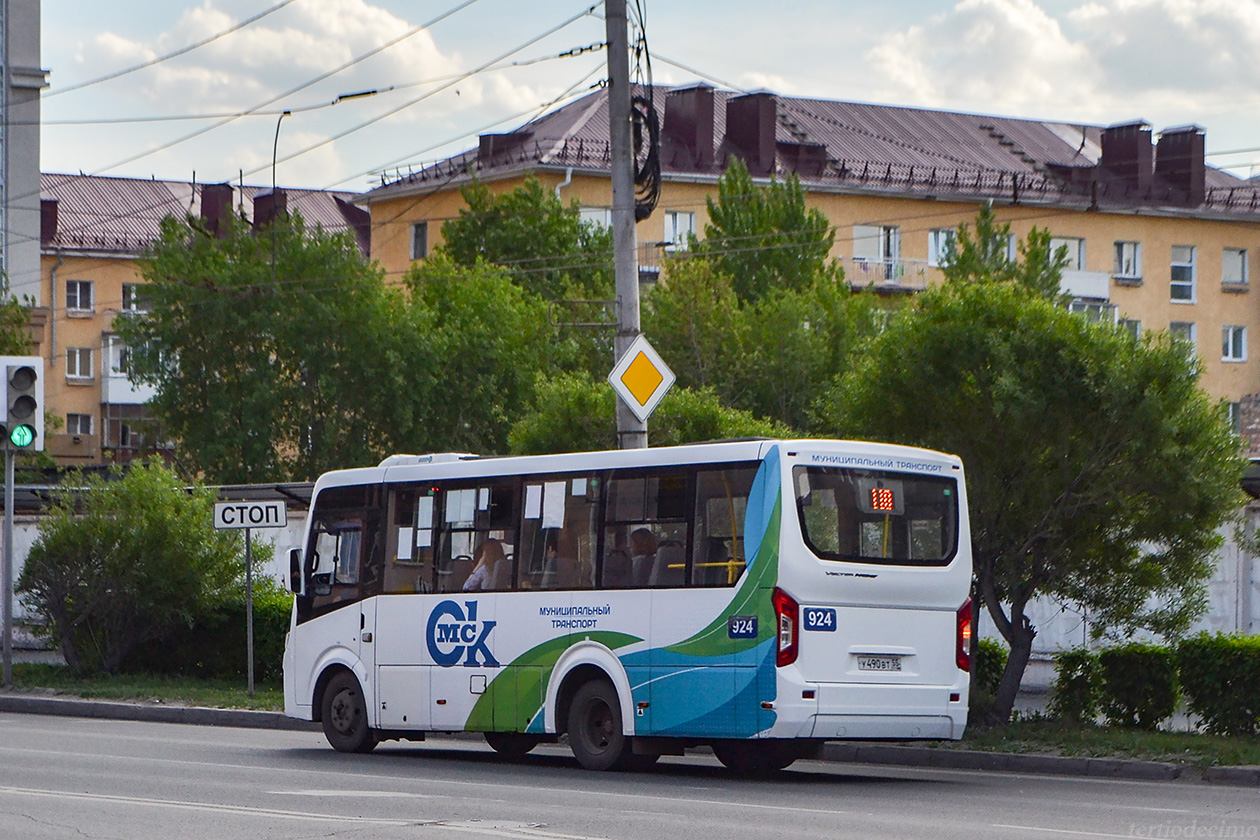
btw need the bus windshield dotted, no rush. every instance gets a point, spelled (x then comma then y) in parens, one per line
(868, 516)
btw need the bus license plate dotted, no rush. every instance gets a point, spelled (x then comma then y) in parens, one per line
(879, 663)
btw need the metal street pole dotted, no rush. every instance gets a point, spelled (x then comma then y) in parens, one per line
(631, 431)
(8, 568)
(249, 610)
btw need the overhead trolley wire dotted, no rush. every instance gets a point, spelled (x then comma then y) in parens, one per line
(321, 77)
(181, 51)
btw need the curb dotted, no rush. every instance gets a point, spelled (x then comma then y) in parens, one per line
(839, 753)
(244, 718)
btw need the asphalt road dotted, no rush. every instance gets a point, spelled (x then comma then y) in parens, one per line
(124, 780)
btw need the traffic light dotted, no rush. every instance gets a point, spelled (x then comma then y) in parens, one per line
(24, 398)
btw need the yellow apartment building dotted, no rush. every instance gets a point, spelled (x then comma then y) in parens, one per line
(94, 230)
(1156, 240)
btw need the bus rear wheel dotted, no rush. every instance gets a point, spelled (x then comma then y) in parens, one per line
(753, 758)
(345, 716)
(595, 734)
(511, 743)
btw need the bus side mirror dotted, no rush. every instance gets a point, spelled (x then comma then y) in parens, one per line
(323, 583)
(295, 571)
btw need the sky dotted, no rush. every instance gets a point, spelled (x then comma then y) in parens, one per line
(461, 68)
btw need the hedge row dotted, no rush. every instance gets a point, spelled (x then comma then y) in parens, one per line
(1138, 685)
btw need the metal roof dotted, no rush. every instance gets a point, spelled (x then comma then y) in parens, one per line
(850, 146)
(124, 215)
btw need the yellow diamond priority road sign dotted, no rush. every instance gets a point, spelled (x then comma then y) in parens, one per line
(641, 378)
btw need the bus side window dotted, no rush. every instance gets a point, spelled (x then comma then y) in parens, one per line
(409, 546)
(721, 504)
(470, 516)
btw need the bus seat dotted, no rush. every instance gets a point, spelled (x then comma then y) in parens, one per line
(669, 567)
(617, 569)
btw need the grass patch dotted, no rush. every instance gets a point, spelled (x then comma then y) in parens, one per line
(148, 688)
(1048, 737)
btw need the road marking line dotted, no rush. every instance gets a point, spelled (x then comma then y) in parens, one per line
(1062, 831)
(200, 806)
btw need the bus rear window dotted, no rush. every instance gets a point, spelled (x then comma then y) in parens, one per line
(868, 516)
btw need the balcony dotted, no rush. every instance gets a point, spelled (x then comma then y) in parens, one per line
(890, 275)
(117, 389)
(1086, 284)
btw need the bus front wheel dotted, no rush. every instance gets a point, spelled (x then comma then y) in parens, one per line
(345, 715)
(595, 734)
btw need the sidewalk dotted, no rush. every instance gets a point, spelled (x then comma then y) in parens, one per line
(855, 752)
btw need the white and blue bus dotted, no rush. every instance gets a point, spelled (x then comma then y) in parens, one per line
(760, 597)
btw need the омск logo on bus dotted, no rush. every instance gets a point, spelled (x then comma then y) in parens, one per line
(461, 635)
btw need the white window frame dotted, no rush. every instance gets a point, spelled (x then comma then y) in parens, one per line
(1099, 311)
(81, 289)
(1185, 331)
(419, 240)
(600, 216)
(133, 298)
(1233, 343)
(1127, 264)
(1238, 256)
(79, 363)
(1132, 325)
(1183, 291)
(1235, 417)
(880, 244)
(680, 226)
(76, 423)
(941, 242)
(1075, 246)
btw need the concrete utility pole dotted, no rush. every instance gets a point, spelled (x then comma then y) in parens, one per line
(631, 431)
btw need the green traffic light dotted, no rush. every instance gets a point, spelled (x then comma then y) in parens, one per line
(22, 435)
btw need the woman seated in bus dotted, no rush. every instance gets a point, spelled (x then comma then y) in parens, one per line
(490, 570)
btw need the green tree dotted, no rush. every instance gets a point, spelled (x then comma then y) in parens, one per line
(545, 244)
(479, 340)
(1098, 472)
(15, 318)
(985, 257)
(274, 355)
(124, 561)
(764, 238)
(771, 357)
(573, 412)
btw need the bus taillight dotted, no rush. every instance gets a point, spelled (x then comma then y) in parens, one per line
(963, 653)
(786, 613)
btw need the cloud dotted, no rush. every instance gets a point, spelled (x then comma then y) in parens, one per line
(1170, 61)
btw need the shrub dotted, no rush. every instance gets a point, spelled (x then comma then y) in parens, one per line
(215, 644)
(124, 561)
(1074, 695)
(1221, 678)
(1139, 684)
(989, 665)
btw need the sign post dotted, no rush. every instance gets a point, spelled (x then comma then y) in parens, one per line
(249, 515)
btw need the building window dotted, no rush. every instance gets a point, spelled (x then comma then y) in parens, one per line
(1074, 247)
(1235, 418)
(1233, 343)
(1183, 273)
(79, 424)
(680, 226)
(1132, 326)
(134, 297)
(878, 248)
(940, 246)
(1234, 267)
(1128, 263)
(116, 356)
(78, 295)
(419, 240)
(79, 363)
(599, 216)
(1183, 330)
(1094, 310)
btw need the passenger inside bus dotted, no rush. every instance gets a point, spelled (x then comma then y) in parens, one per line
(642, 555)
(492, 570)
